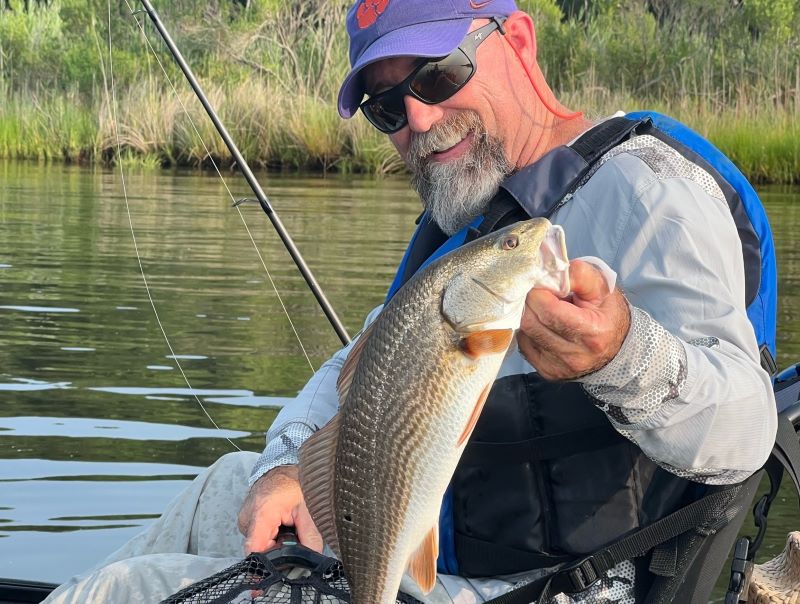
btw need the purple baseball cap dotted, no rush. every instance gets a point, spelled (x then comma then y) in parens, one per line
(380, 29)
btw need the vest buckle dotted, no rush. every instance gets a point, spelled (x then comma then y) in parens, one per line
(580, 577)
(741, 570)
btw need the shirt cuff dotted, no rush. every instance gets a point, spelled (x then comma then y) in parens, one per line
(649, 370)
(282, 449)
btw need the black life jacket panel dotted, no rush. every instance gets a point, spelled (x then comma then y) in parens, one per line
(546, 478)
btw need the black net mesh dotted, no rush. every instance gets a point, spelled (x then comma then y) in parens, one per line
(294, 577)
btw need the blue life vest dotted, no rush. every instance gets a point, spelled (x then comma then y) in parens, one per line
(564, 168)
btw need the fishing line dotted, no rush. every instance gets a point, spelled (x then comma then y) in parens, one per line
(224, 183)
(112, 101)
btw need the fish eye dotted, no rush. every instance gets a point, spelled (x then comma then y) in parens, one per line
(510, 242)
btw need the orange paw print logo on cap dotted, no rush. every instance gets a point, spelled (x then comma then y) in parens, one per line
(369, 11)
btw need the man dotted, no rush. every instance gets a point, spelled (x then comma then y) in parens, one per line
(671, 364)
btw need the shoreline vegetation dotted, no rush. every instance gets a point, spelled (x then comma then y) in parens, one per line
(271, 68)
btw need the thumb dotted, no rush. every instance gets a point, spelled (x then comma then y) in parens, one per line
(307, 531)
(589, 286)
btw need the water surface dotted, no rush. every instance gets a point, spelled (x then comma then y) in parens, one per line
(98, 428)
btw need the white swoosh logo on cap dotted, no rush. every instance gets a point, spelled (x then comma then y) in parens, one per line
(474, 4)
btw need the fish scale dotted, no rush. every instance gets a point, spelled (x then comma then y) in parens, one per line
(411, 390)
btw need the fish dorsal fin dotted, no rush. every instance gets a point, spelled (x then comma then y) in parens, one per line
(422, 564)
(349, 368)
(317, 457)
(488, 341)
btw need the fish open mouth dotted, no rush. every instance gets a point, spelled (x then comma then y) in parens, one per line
(555, 263)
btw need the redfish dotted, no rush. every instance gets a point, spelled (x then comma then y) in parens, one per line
(410, 394)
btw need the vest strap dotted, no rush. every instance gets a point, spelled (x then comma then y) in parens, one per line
(785, 457)
(706, 515)
(500, 209)
(542, 187)
(596, 142)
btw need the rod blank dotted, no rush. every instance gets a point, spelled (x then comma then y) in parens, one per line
(333, 319)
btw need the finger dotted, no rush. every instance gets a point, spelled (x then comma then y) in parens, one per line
(553, 357)
(551, 322)
(259, 543)
(262, 530)
(588, 283)
(306, 529)
(535, 337)
(548, 355)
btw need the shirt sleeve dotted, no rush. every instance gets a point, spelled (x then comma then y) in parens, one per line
(313, 407)
(686, 386)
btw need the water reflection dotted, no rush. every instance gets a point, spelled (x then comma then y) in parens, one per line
(42, 309)
(29, 385)
(72, 427)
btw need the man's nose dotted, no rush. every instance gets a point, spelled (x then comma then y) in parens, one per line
(421, 116)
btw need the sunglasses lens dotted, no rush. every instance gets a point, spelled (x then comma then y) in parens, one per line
(433, 82)
(438, 80)
(385, 114)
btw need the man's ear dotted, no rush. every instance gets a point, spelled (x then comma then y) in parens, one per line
(521, 35)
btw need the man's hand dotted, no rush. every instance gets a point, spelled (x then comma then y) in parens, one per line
(273, 500)
(565, 339)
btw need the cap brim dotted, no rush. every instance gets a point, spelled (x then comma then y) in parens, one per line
(432, 39)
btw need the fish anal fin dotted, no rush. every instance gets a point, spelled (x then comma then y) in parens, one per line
(488, 341)
(349, 367)
(476, 413)
(422, 564)
(317, 456)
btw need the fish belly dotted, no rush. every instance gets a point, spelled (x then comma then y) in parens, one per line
(417, 457)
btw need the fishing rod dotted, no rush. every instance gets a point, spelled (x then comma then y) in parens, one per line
(333, 319)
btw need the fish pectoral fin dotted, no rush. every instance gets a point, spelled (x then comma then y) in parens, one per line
(488, 341)
(316, 458)
(349, 367)
(476, 413)
(422, 564)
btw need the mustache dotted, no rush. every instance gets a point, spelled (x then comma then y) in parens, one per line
(442, 135)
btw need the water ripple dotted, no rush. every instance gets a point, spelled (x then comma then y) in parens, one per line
(26, 385)
(74, 427)
(141, 391)
(39, 469)
(40, 309)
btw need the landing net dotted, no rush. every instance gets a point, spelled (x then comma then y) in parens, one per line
(284, 579)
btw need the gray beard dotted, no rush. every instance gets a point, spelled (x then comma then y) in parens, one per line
(457, 191)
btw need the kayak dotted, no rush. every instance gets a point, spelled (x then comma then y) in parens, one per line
(13, 591)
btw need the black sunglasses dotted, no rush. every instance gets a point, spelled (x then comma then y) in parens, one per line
(432, 82)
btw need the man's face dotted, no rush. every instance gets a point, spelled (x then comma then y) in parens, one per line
(455, 149)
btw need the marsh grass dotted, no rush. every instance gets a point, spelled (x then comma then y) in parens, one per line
(761, 136)
(45, 127)
(765, 147)
(316, 133)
